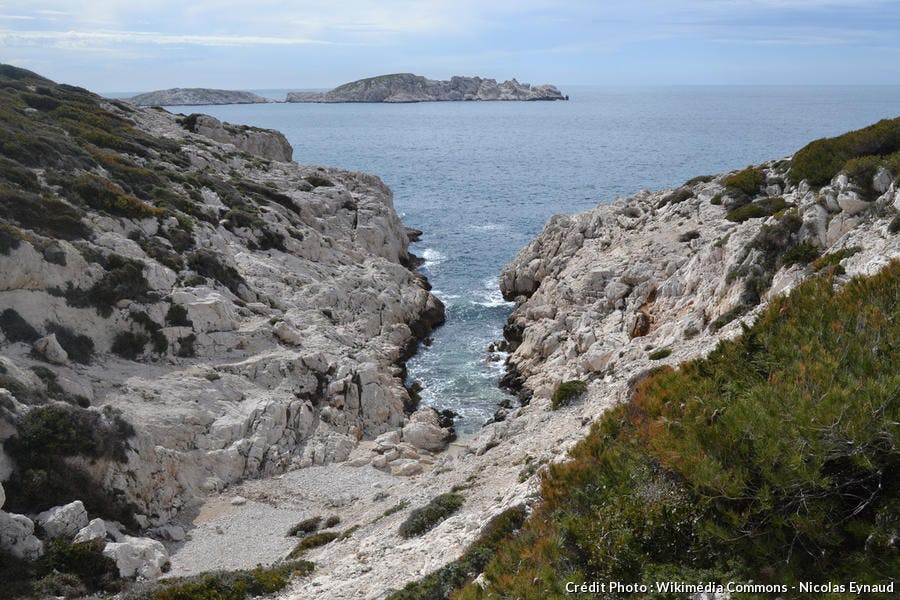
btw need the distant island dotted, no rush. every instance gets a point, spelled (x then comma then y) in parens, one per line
(406, 87)
(196, 96)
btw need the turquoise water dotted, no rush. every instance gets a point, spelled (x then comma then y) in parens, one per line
(482, 178)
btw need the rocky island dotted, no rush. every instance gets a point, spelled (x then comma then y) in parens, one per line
(406, 87)
(202, 351)
(196, 97)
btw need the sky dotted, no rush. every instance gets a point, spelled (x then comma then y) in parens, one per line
(131, 46)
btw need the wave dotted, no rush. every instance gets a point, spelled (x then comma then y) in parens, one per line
(489, 295)
(433, 257)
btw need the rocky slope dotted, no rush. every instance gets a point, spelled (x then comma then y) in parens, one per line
(406, 87)
(181, 308)
(196, 97)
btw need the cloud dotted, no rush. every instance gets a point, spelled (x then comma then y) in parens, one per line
(74, 39)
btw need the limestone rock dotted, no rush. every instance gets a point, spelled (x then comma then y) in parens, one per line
(851, 203)
(63, 521)
(143, 558)
(17, 536)
(196, 96)
(424, 431)
(48, 347)
(2, 495)
(95, 530)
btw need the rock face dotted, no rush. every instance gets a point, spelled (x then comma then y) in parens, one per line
(599, 292)
(196, 96)
(64, 521)
(141, 558)
(17, 536)
(406, 87)
(225, 313)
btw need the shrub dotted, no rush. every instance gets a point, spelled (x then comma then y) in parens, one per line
(206, 263)
(123, 280)
(754, 210)
(894, 225)
(819, 161)
(729, 316)
(177, 316)
(332, 521)
(102, 194)
(699, 179)
(305, 527)
(660, 354)
(687, 236)
(426, 518)
(69, 570)
(746, 182)
(129, 345)
(80, 348)
(768, 460)
(15, 328)
(186, 346)
(154, 329)
(567, 392)
(716, 200)
(231, 585)
(834, 259)
(803, 253)
(46, 216)
(313, 541)
(676, 196)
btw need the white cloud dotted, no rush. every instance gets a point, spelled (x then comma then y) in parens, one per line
(74, 39)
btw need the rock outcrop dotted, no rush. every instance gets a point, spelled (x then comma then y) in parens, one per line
(406, 87)
(196, 97)
(198, 309)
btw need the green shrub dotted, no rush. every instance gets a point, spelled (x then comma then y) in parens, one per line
(313, 541)
(729, 316)
(716, 200)
(802, 253)
(15, 328)
(894, 225)
(129, 345)
(69, 570)
(154, 330)
(426, 518)
(206, 263)
(305, 527)
(699, 179)
(769, 460)
(80, 348)
(177, 316)
(819, 161)
(676, 196)
(102, 194)
(230, 585)
(331, 521)
(186, 346)
(660, 354)
(754, 210)
(746, 182)
(439, 584)
(834, 259)
(566, 393)
(123, 280)
(46, 216)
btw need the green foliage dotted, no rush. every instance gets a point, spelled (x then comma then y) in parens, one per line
(894, 225)
(716, 200)
(15, 328)
(305, 527)
(177, 316)
(124, 280)
(69, 570)
(129, 345)
(313, 541)
(395, 508)
(802, 253)
(819, 161)
(439, 584)
(729, 316)
(746, 182)
(102, 194)
(676, 196)
(429, 516)
(186, 346)
(699, 179)
(206, 263)
(834, 259)
(754, 210)
(331, 521)
(770, 460)
(80, 348)
(567, 392)
(229, 585)
(43, 215)
(660, 354)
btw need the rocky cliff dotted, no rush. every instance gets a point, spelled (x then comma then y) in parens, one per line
(196, 97)
(182, 308)
(406, 87)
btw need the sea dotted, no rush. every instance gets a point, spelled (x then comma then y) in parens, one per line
(481, 179)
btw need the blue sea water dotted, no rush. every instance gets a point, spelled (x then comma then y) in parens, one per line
(481, 179)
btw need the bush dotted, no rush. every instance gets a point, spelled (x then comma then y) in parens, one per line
(206, 263)
(15, 328)
(332, 521)
(754, 210)
(426, 518)
(313, 541)
(819, 161)
(803, 253)
(894, 225)
(676, 196)
(746, 182)
(660, 354)
(46, 216)
(177, 316)
(102, 194)
(69, 570)
(729, 316)
(834, 259)
(186, 346)
(768, 461)
(305, 527)
(566, 393)
(80, 348)
(123, 280)
(230, 585)
(129, 345)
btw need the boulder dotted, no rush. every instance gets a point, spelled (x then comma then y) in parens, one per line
(2, 495)
(63, 521)
(17, 536)
(95, 530)
(851, 203)
(882, 180)
(49, 348)
(424, 431)
(142, 558)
